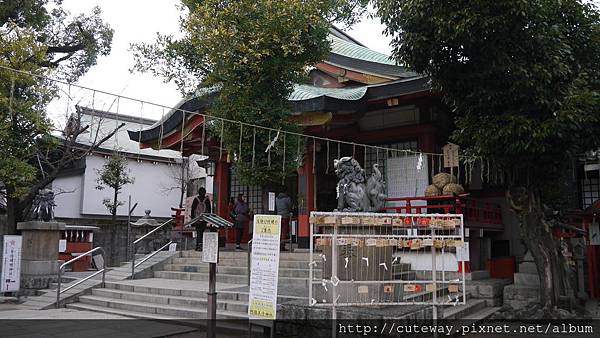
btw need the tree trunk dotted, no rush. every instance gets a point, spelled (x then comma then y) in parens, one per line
(544, 247)
(13, 213)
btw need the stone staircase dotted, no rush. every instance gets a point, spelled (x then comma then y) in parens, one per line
(178, 288)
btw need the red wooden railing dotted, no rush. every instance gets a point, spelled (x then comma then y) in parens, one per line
(476, 212)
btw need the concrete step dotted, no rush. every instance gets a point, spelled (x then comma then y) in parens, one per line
(463, 311)
(159, 309)
(405, 275)
(174, 290)
(483, 313)
(283, 256)
(187, 302)
(238, 262)
(227, 328)
(226, 278)
(238, 270)
(126, 313)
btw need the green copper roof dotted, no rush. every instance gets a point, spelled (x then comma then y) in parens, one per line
(352, 50)
(307, 92)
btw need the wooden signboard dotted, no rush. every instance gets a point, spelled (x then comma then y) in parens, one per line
(450, 155)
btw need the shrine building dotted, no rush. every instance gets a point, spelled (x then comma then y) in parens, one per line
(360, 96)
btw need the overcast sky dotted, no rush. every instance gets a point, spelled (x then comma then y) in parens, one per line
(138, 21)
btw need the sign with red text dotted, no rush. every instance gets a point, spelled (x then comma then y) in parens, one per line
(265, 267)
(11, 264)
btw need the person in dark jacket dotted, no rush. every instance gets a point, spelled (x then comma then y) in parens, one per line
(283, 206)
(201, 205)
(241, 211)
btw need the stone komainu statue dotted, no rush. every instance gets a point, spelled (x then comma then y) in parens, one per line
(356, 193)
(43, 206)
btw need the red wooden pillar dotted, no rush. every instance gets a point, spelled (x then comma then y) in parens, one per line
(221, 195)
(306, 192)
(221, 188)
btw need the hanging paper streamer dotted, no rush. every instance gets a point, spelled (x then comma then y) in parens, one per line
(272, 143)
(335, 281)
(162, 124)
(323, 257)
(366, 259)
(420, 162)
(313, 302)
(314, 154)
(221, 144)
(283, 163)
(313, 263)
(253, 145)
(345, 262)
(384, 265)
(268, 151)
(327, 170)
(203, 135)
(365, 158)
(239, 157)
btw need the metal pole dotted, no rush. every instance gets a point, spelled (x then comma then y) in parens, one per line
(127, 247)
(334, 262)
(211, 297)
(58, 288)
(434, 275)
(132, 260)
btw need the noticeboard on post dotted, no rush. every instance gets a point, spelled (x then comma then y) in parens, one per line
(262, 302)
(11, 264)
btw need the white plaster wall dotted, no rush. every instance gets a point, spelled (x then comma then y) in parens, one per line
(68, 191)
(422, 261)
(150, 189)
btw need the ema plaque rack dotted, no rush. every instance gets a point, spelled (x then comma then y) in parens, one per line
(359, 259)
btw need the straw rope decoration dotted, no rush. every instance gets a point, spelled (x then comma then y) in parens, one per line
(223, 120)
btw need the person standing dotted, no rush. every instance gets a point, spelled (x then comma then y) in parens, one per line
(241, 211)
(201, 205)
(283, 206)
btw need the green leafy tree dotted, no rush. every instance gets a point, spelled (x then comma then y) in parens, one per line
(523, 79)
(252, 52)
(38, 37)
(114, 174)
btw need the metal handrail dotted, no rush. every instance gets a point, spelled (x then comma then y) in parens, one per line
(249, 268)
(153, 231)
(152, 254)
(139, 240)
(62, 266)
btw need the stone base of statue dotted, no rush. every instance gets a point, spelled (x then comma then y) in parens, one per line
(39, 256)
(526, 288)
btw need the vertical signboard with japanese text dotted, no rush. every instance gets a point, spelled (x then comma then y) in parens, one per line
(265, 267)
(11, 264)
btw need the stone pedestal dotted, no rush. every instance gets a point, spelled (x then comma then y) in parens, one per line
(39, 265)
(526, 287)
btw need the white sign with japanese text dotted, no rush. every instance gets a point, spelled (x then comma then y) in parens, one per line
(210, 247)
(11, 264)
(262, 302)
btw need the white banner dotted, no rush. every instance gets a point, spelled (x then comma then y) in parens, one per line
(11, 264)
(262, 301)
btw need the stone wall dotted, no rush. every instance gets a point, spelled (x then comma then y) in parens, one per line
(113, 238)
